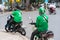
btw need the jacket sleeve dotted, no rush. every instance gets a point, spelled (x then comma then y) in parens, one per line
(37, 22)
(20, 12)
(12, 14)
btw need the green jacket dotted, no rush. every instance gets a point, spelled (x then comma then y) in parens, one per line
(41, 23)
(17, 16)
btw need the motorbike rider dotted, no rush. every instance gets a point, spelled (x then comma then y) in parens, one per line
(52, 7)
(16, 17)
(41, 23)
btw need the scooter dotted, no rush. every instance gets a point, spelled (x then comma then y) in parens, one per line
(16, 27)
(52, 10)
(42, 35)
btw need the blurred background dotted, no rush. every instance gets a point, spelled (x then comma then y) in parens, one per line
(30, 9)
(8, 5)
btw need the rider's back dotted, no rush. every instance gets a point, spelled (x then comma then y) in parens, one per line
(41, 23)
(17, 16)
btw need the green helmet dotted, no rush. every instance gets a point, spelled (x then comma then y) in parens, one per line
(41, 10)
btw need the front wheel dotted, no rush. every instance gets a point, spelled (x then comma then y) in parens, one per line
(38, 37)
(6, 28)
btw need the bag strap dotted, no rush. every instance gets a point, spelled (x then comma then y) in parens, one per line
(45, 19)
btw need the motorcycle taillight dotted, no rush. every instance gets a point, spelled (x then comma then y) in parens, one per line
(50, 35)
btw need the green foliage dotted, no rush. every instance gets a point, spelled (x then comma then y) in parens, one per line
(41, 1)
(6, 3)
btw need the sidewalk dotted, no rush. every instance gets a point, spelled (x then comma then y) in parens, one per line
(11, 36)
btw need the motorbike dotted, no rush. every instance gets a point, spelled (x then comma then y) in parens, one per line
(52, 10)
(9, 27)
(42, 35)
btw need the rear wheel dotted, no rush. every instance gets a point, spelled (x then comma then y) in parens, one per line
(35, 37)
(22, 31)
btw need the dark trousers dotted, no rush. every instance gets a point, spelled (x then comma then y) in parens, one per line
(14, 23)
(33, 34)
(11, 21)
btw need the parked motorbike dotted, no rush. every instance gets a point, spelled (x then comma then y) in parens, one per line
(9, 27)
(42, 35)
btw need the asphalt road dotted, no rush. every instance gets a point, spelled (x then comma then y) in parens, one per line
(54, 22)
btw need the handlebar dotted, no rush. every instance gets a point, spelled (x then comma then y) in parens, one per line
(32, 23)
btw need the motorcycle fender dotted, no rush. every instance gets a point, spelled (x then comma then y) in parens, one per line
(50, 39)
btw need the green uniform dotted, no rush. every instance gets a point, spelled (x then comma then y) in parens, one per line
(41, 23)
(17, 16)
(42, 20)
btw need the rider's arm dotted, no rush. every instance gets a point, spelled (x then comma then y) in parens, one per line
(13, 14)
(37, 22)
(21, 12)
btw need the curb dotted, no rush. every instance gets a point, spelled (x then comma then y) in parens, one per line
(11, 36)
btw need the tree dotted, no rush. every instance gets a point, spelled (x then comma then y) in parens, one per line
(41, 1)
(27, 4)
